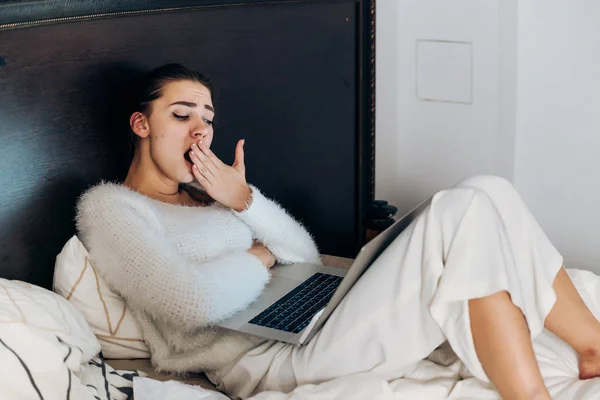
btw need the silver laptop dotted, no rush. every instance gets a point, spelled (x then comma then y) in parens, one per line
(301, 297)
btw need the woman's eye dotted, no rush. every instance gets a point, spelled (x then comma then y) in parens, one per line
(208, 121)
(181, 117)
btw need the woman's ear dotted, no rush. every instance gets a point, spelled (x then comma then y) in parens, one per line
(139, 124)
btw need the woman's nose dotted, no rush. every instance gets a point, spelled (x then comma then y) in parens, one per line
(201, 130)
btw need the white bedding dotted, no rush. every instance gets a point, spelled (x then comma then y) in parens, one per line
(47, 347)
(47, 350)
(443, 376)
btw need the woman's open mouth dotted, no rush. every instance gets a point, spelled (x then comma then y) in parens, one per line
(187, 158)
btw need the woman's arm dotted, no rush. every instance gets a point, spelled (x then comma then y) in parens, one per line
(272, 225)
(129, 248)
(285, 237)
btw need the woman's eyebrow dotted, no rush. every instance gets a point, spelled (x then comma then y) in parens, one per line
(184, 103)
(187, 103)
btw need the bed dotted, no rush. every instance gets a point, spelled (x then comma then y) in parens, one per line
(294, 77)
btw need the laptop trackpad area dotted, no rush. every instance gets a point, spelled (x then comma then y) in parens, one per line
(274, 290)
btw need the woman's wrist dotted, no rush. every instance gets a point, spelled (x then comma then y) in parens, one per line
(245, 200)
(266, 257)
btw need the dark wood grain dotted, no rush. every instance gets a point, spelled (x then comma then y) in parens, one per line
(288, 81)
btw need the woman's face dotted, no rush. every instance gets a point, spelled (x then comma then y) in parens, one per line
(181, 116)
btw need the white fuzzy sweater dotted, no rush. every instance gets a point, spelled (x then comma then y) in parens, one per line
(181, 269)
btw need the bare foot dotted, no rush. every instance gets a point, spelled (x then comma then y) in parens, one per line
(589, 364)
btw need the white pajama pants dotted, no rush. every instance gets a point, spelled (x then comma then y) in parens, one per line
(474, 240)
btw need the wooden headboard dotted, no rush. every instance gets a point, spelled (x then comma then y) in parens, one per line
(295, 78)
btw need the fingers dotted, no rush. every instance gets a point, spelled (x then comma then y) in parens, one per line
(203, 163)
(239, 156)
(210, 170)
(206, 154)
(200, 177)
(200, 170)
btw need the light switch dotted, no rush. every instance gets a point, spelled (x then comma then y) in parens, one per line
(444, 71)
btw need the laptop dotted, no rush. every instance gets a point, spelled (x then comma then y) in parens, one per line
(300, 297)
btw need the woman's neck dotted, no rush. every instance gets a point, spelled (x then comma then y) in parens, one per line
(145, 179)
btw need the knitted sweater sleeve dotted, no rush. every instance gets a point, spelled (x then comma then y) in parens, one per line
(129, 248)
(285, 237)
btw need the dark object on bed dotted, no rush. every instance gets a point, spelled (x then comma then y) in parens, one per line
(295, 78)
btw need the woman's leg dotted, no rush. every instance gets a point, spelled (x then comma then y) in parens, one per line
(500, 331)
(572, 321)
(503, 343)
(504, 348)
(473, 242)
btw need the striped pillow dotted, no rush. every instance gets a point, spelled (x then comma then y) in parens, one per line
(109, 318)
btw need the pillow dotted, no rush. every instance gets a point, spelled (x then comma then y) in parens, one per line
(48, 351)
(109, 318)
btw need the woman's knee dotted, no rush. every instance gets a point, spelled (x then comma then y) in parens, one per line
(485, 181)
(491, 185)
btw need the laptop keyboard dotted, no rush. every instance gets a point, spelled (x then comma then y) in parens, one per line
(293, 312)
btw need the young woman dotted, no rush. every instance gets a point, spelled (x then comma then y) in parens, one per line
(474, 269)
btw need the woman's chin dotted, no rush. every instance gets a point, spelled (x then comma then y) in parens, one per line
(187, 177)
(188, 181)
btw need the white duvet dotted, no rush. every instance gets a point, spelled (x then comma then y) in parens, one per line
(443, 376)
(47, 350)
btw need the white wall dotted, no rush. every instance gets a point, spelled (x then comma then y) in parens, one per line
(535, 115)
(558, 123)
(424, 146)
